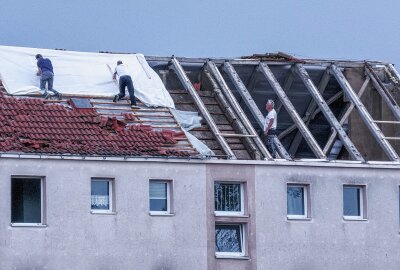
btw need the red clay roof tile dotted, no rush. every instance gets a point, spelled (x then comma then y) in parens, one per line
(30, 125)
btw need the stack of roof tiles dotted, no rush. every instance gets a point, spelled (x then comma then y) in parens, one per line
(29, 125)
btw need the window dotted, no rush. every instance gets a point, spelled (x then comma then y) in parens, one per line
(297, 201)
(228, 198)
(159, 194)
(101, 196)
(353, 202)
(27, 198)
(229, 240)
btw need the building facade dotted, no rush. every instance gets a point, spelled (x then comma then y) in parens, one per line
(91, 183)
(196, 231)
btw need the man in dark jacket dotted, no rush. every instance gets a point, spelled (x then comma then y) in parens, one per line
(45, 71)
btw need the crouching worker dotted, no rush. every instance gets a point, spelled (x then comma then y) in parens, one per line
(45, 71)
(270, 127)
(125, 80)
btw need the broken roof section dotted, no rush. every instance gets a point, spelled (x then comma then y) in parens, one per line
(327, 109)
(34, 125)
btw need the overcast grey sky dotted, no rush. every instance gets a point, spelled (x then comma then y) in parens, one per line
(351, 29)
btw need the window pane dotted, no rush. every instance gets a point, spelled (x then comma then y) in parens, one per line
(26, 201)
(228, 238)
(158, 196)
(100, 198)
(227, 197)
(351, 201)
(295, 200)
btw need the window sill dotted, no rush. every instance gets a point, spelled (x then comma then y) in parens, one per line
(32, 225)
(354, 219)
(298, 218)
(102, 213)
(232, 257)
(160, 214)
(230, 215)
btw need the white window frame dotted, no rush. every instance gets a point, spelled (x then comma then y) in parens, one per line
(361, 203)
(162, 213)
(42, 202)
(305, 201)
(110, 196)
(231, 213)
(242, 240)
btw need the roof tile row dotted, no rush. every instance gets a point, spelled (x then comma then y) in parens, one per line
(32, 126)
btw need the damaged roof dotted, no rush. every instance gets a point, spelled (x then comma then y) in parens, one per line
(327, 110)
(35, 125)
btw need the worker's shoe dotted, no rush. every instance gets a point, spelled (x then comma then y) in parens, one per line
(47, 96)
(115, 99)
(135, 107)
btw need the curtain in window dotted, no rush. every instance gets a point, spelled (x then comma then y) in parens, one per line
(100, 195)
(228, 238)
(227, 197)
(100, 201)
(295, 200)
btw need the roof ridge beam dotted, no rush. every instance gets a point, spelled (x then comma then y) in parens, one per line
(255, 61)
(292, 111)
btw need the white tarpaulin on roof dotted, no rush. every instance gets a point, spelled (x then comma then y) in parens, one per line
(81, 73)
(190, 120)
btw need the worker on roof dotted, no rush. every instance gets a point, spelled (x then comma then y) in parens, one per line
(125, 80)
(270, 127)
(45, 71)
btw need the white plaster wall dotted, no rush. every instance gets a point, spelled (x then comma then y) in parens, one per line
(131, 239)
(327, 241)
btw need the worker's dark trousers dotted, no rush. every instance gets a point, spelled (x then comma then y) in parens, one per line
(126, 81)
(47, 77)
(270, 142)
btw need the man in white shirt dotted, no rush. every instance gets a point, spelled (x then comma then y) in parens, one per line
(270, 127)
(125, 80)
